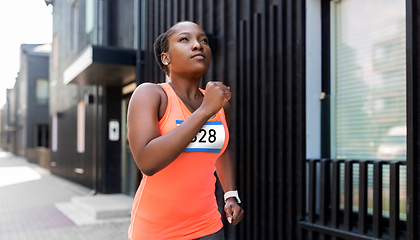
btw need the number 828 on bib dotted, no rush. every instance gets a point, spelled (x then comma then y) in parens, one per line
(210, 138)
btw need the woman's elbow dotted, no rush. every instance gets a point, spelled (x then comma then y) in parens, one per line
(146, 169)
(148, 172)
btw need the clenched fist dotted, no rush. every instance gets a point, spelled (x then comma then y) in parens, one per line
(217, 94)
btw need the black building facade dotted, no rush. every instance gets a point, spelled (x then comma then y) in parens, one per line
(26, 124)
(90, 65)
(278, 58)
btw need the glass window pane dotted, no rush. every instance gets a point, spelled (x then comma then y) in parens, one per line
(42, 90)
(368, 86)
(369, 80)
(90, 14)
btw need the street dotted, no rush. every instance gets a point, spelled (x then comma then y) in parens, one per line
(28, 198)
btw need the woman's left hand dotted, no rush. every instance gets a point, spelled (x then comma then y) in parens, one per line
(234, 213)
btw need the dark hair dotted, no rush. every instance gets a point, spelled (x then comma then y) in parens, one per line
(161, 45)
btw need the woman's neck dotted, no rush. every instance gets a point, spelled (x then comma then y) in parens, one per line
(186, 87)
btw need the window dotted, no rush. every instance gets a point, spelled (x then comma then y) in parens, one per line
(54, 133)
(75, 25)
(81, 127)
(90, 15)
(42, 91)
(368, 84)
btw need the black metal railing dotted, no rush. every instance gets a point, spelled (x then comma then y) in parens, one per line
(334, 186)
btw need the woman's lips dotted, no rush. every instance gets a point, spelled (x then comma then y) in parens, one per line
(198, 56)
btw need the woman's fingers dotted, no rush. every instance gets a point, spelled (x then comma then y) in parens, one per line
(226, 90)
(234, 213)
(217, 94)
(238, 214)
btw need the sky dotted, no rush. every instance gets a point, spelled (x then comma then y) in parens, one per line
(21, 21)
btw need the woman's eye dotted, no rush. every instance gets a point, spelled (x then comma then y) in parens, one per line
(183, 39)
(205, 40)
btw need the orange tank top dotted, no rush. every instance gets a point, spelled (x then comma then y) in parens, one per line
(178, 202)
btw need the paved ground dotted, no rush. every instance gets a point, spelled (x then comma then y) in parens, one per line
(27, 211)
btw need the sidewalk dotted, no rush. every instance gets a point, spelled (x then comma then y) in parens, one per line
(28, 196)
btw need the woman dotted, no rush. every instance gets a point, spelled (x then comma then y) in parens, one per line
(179, 136)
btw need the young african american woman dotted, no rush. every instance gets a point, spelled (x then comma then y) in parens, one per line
(179, 136)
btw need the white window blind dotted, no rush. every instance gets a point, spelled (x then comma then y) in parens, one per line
(368, 83)
(42, 91)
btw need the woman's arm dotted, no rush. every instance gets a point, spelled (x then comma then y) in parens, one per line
(153, 152)
(226, 173)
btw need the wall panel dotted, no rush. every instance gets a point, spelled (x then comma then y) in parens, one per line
(258, 50)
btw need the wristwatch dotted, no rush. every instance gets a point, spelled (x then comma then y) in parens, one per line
(229, 194)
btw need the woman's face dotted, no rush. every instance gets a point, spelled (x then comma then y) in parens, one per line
(189, 50)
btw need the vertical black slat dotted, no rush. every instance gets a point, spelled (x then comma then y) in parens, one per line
(162, 16)
(200, 14)
(169, 13)
(324, 191)
(150, 22)
(255, 122)
(348, 195)
(212, 70)
(149, 65)
(162, 28)
(176, 11)
(300, 8)
(394, 201)
(241, 116)
(412, 51)
(335, 194)
(148, 38)
(251, 230)
(377, 199)
(139, 67)
(263, 120)
(157, 32)
(280, 83)
(290, 118)
(325, 82)
(272, 218)
(312, 191)
(238, 28)
(248, 129)
(183, 10)
(191, 7)
(363, 187)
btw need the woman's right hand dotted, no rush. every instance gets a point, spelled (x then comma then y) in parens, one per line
(217, 94)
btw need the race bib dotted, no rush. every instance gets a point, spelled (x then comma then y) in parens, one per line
(210, 138)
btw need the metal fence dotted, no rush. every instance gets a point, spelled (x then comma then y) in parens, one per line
(325, 216)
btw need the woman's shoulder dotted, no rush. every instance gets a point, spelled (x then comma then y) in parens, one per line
(148, 92)
(148, 89)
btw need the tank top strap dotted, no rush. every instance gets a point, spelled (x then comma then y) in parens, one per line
(171, 99)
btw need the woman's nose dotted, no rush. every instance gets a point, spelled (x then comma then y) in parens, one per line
(197, 45)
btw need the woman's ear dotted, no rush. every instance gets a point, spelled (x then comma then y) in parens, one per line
(164, 57)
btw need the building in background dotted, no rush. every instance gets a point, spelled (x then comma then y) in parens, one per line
(26, 122)
(8, 123)
(92, 74)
